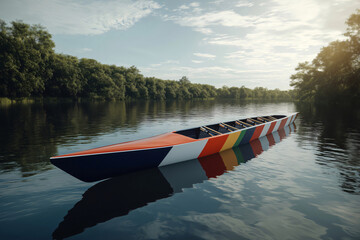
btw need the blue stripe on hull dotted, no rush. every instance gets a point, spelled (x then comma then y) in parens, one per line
(248, 135)
(96, 167)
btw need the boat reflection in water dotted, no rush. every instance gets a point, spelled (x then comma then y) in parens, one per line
(118, 196)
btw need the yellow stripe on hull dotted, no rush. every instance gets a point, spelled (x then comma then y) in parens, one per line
(230, 141)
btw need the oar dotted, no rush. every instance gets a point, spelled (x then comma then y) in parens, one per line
(263, 119)
(255, 120)
(229, 126)
(204, 130)
(272, 118)
(224, 126)
(212, 130)
(266, 118)
(243, 123)
(251, 122)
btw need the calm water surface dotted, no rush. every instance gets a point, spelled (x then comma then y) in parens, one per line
(299, 183)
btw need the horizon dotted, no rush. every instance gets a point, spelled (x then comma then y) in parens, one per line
(232, 43)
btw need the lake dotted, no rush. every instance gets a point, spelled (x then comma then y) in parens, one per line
(302, 182)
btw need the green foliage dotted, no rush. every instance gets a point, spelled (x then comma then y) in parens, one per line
(29, 67)
(256, 93)
(67, 79)
(334, 75)
(25, 56)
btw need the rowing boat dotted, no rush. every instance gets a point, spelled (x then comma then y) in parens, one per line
(169, 148)
(118, 196)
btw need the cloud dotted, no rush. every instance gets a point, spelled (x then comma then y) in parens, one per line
(205, 55)
(281, 37)
(281, 34)
(217, 2)
(78, 17)
(183, 7)
(206, 31)
(196, 61)
(167, 62)
(291, 41)
(194, 7)
(203, 22)
(226, 18)
(244, 4)
(85, 50)
(195, 4)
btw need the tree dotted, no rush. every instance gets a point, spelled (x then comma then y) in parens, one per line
(96, 81)
(66, 78)
(184, 81)
(335, 72)
(353, 32)
(171, 89)
(223, 92)
(25, 58)
(117, 75)
(244, 92)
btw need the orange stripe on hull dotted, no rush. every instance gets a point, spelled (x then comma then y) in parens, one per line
(163, 140)
(257, 132)
(271, 128)
(292, 117)
(296, 116)
(283, 122)
(214, 145)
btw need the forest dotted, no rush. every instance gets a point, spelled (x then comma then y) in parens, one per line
(29, 67)
(334, 75)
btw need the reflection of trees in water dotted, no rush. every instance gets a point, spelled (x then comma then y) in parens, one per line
(30, 133)
(335, 131)
(23, 128)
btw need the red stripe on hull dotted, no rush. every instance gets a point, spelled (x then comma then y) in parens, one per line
(271, 128)
(292, 117)
(213, 145)
(257, 132)
(296, 116)
(283, 122)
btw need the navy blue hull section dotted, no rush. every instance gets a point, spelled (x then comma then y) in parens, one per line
(100, 166)
(249, 133)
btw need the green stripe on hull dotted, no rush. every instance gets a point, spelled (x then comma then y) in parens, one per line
(241, 136)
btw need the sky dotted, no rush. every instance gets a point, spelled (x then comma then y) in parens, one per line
(219, 42)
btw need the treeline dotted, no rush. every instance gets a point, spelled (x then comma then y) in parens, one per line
(256, 93)
(29, 67)
(334, 75)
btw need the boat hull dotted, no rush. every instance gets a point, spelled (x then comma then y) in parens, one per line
(90, 168)
(104, 164)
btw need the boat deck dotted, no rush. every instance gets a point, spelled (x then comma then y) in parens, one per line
(226, 127)
(179, 137)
